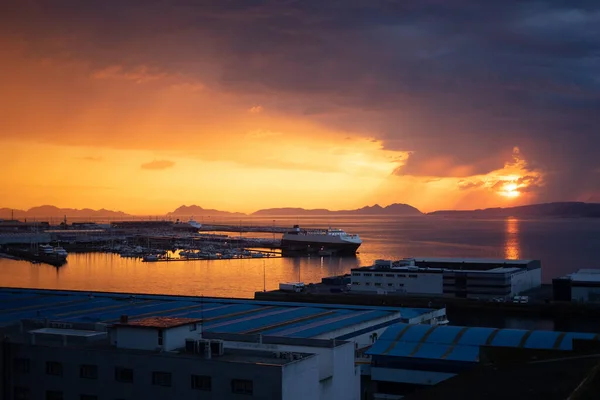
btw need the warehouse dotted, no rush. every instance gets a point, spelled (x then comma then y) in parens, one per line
(462, 278)
(408, 356)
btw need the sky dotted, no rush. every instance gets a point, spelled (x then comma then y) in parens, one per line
(145, 105)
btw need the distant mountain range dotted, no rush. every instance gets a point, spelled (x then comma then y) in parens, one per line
(557, 210)
(393, 209)
(198, 211)
(56, 212)
(564, 209)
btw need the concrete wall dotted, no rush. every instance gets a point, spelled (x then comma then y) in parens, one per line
(396, 281)
(584, 293)
(523, 281)
(147, 338)
(337, 374)
(174, 338)
(136, 338)
(346, 380)
(267, 379)
(300, 380)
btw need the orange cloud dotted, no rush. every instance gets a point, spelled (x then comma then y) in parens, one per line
(256, 109)
(158, 165)
(139, 74)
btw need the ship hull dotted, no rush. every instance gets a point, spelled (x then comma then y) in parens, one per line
(294, 247)
(52, 259)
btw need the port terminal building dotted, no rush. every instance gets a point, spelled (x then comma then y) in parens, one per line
(581, 286)
(460, 278)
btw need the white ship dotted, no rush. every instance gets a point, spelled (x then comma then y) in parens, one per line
(335, 241)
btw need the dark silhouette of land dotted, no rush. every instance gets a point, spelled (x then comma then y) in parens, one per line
(47, 211)
(556, 210)
(546, 210)
(392, 209)
(198, 211)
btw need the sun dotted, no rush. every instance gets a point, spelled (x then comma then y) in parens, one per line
(510, 190)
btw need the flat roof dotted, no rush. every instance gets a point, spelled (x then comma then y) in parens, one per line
(462, 343)
(417, 269)
(219, 315)
(584, 275)
(470, 260)
(158, 322)
(69, 332)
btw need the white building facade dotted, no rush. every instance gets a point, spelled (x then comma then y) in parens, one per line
(451, 277)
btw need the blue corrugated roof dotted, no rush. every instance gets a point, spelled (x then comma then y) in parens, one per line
(222, 315)
(458, 343)
(464, 353)
(508, 338)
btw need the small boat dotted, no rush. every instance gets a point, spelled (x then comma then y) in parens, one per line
(60, 251)
(150, 257)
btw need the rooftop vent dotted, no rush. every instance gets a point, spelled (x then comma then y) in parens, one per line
(216, 347)
(190, 345)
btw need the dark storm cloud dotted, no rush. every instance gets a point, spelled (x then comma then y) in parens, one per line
(465, 80)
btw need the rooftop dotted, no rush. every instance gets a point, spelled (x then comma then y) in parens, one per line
(69, 332)
(471, 260)
(159, 322)
(460, 343)
(436, 270)
(299, 320)
(558, 379)
(99, 341)
(585, 275)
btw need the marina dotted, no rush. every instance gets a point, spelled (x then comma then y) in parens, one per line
(157, 241)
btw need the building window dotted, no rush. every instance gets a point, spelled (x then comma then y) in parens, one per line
(401, 276)
(377, 284)
(413, 276)
(21, 393)
(378, 274)
(54, 395)
(356, 283)
(88, 397)
(242, 386)
(367, 284)
(161, 378)
(356, 274)
(201, 382)
(401, 285)
(88, 371)
(193, 327)
(389, 275)
(54, 368)
(390, 284)
(366, 274)
(160, 337)
(124, 375)
(21, 365)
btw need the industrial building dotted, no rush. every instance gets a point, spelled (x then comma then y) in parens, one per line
(581, 286)
(407, 357)
(60, 344)
(170, 358)
(462, 278)
(284, 319)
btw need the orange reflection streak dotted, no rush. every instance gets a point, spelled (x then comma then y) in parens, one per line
(512, 247)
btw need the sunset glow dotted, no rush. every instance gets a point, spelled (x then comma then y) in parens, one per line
(510, 190)
(224, 110)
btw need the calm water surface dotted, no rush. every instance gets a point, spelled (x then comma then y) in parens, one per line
(563, 245)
